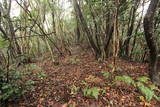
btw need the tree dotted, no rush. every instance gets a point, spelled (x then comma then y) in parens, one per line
(86, 29)
(151, 40)
(131, 24)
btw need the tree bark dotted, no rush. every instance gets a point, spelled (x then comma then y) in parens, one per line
(151, 41)
(130, 27)
(86, 29)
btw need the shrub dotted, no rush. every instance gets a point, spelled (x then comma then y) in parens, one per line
(12, 85)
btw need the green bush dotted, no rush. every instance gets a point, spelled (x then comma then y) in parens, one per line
(12, 85)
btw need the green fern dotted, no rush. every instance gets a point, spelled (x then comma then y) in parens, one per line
(149, 94)
(128, 80)
(106, 74)
(153, 87)
(84, 82)
(94, 92)
(143, 79)
(41, 75)
(86, 92)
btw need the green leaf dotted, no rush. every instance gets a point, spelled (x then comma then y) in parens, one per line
(74, 89)
(41, 75)
(84, 91)
(103, 91)
(153, 87)
(30, 82)
(110, 66)
(95, 92)
(84, 82)
(6, 86)
(106, 74)
(128, 80)
(3, 43)
(149, 94)
(143, 79)
(89, 92)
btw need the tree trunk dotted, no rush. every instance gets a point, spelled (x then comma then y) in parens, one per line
(130, 27)
(151, 42)
(86, 29)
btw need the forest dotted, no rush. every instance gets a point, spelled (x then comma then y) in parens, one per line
(79, 53)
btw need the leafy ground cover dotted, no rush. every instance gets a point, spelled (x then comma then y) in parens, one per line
(80, 81)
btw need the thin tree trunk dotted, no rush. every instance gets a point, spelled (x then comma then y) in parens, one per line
(115, 35)
(86, 29)
(130, 28)
(136, 31)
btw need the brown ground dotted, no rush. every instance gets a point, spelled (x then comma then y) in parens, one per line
(55, 91)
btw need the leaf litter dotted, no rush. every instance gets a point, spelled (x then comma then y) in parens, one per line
(55, 89)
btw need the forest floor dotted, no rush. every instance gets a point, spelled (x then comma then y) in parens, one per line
(63, 84)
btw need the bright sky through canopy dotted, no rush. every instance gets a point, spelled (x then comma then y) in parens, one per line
(15, 10)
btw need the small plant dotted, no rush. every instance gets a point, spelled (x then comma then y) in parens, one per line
(94, 92)
(84, 82)
(128, 80)
(153, 87)
(146, 91)
(29, 83)
(143, 79)
(110, 66)
(106, 74)
(74, 89)
(41, 75)
(9, 90)
(149, 94)
(13, 87)
(103, 91)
